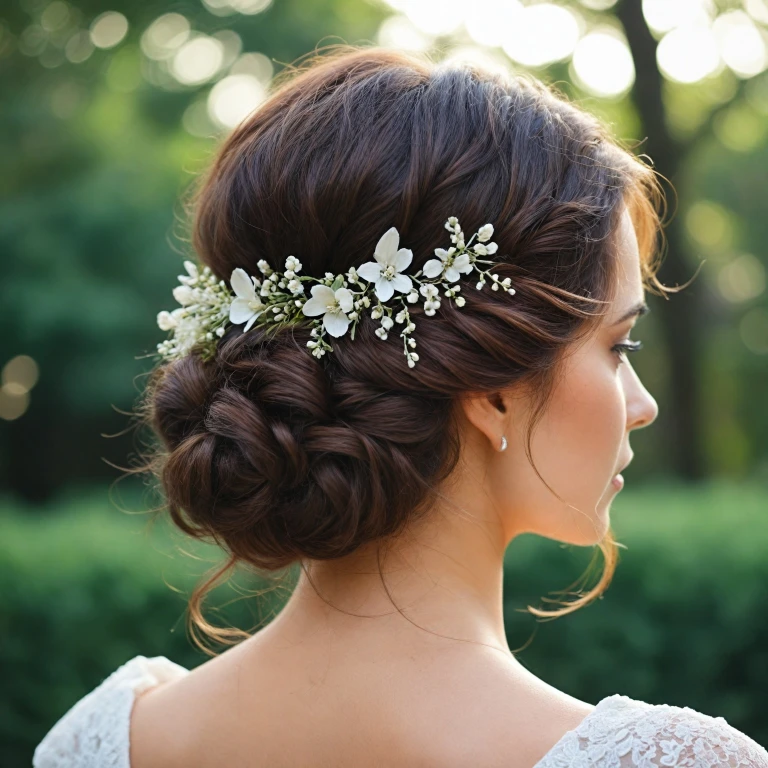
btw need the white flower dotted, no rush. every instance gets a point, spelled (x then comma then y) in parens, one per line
(247, 306)
(165, 321)
(333, 305)
(485, 233)
(390, 262)
(448, 264)
(292, 264)
(183, 294)
(192, 275)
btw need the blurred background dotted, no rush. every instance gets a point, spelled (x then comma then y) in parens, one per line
(110, 109)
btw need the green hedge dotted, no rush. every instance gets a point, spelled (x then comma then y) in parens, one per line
(83, 587)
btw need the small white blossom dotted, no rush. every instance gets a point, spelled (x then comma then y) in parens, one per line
(292, 264)
(184, 295)
(332, 305)
(485, 233)
(165, 321)
(448, 264)
(385, 272)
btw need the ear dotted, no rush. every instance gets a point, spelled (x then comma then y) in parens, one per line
(489, 413)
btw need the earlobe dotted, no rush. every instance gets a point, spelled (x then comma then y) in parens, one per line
(488, 414)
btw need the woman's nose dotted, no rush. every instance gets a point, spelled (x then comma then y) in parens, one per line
(642, 408)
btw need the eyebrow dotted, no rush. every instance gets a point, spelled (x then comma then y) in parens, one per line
(638, 310)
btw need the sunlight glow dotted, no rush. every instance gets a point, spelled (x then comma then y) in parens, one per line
(256, 64)
(164, 36)
(598, 5)
(232, 99)
(602, 63)
(400, 32)
(757, 9)
(741, 44)
(108, 29)
(489, 21)
(666, 15)
(689, 53)
(198, 60)
(543, 33)
(742, 279)
(434, 17)
(228, 7)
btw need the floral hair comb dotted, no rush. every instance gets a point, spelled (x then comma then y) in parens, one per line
(336, 302)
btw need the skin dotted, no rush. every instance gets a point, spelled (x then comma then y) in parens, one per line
(375, 681)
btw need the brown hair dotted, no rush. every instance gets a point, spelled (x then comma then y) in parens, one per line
(279, 457)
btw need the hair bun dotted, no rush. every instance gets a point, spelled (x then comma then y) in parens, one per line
(263, 456)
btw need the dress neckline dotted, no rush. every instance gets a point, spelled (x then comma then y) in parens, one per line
(599, 708)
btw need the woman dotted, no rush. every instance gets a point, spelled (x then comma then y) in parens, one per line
(350, 386)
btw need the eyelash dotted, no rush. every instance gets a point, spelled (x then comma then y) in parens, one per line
(624, 347)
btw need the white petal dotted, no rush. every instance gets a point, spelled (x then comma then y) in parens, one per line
(433, 268)
(442, 253)
(402, 283)
(403, 258)
(251, 322)
(384, 289)
(191, 268)
(387, 247)
(452, 274)
(322, 296)
(485, 233)
(336, 323)
(240, 311)
(461, 263)
(345, 299)
(242, 284)
(370, 271)
(183, 294)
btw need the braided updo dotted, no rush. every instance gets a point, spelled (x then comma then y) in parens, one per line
(280, 457)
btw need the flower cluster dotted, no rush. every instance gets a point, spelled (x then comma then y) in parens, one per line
(336, 302)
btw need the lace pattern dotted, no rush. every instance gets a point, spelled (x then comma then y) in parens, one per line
(94, 732)
(627, 733)
(619, 732)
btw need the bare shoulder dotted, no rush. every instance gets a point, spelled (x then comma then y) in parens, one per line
(501, 714)
(440, 709)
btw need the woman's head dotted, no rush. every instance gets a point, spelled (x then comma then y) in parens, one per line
(283, 458)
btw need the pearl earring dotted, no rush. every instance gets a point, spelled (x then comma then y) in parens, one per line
(503, 443)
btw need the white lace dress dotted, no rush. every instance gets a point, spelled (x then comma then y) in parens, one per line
(619, 732)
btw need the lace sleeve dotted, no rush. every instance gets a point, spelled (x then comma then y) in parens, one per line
(94, 732)
(626, 733)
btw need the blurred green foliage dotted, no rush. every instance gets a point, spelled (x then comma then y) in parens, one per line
(682, 623)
